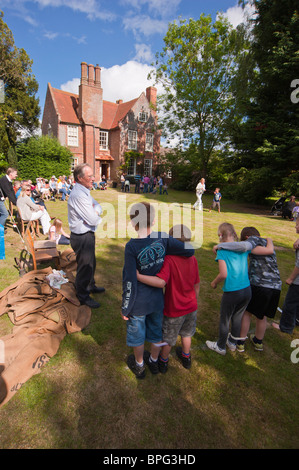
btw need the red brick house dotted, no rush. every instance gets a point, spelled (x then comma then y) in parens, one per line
(99, 132)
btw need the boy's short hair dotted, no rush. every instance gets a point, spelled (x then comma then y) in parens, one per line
(142, 215)
(249, 232)
(180, 232)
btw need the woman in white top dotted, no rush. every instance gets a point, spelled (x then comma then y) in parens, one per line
(200, 189)
(31, 211)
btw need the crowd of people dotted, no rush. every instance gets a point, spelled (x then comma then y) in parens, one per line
(29, 199)
(155, 260)
(144, 184)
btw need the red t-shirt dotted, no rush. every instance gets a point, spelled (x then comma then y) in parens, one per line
(180, 275)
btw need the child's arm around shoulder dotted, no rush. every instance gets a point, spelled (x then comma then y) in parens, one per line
(153, 281)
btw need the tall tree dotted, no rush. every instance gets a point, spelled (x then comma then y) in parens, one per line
(267, 141)
(196, 68)
(19, 108)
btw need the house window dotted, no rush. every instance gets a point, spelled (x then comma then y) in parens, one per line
(74, 162)
(149, 143)
(131, 167)
(148, 167)
(72, 136)
(132, 140)
(103, 140)
(143, 116)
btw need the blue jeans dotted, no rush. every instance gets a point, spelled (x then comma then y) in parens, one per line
(3, 213)
(144, 328)
(290, 310)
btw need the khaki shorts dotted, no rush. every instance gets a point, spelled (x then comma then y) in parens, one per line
(179, 326)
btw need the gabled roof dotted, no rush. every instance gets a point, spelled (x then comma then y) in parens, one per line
(67, 104)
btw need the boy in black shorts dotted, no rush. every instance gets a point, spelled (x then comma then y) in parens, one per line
(265, 286)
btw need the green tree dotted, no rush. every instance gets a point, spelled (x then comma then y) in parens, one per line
(20, 108)
(196, 68)
(43, 157)
(267, 139)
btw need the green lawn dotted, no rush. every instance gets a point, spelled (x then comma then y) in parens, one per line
(86, 397)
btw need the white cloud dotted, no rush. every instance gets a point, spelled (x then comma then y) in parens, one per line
(143, 24)
(124, 82)
(237, 14)
(143, 53)
(92, 8)
(161, 8)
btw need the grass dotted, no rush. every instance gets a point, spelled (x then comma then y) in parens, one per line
(86, 398)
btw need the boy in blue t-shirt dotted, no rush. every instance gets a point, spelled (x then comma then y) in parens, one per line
(142, 305)
(216, 200)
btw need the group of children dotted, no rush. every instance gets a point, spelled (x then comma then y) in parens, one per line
(156, 260)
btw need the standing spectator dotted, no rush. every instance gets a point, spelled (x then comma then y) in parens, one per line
(290, 310)
(160, 184)
(200, 189)
(7, 190)
(137, 182)
(83, 217)
(122, 181)
(146, 181)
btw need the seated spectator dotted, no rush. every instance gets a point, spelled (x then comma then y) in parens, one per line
(30, 211)
(57, 234)
(53, 187)
(288, 208)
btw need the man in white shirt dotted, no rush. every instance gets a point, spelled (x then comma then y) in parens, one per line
(83, 217)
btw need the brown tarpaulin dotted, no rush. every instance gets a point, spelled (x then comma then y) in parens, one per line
(42, 316)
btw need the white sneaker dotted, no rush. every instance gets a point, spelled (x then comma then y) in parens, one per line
(231, 346)
(214, 346)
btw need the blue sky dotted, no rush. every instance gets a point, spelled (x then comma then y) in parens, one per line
(122, 36)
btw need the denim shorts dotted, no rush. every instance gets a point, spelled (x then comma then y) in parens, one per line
(184, 326)
(144, 328)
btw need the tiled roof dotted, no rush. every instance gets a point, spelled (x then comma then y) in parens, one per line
(66, 105)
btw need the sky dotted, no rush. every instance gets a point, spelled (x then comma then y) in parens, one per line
(121, 36)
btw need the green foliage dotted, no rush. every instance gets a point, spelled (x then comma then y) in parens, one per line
(20, 109)
(266, 139)
(196, 69)
(43, 157)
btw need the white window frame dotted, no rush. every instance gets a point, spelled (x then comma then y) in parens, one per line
(143, 116)
(103, 140)
(131, 171)
(73, 136)
(148, 166)
(149, 142)
(132, 140)
(74, 162)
